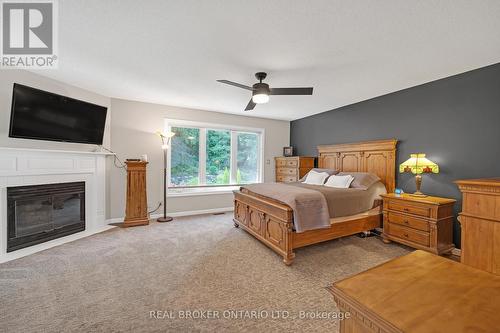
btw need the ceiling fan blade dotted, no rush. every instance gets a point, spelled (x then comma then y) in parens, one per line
(292, 91)
(231, 83)
(250, 105)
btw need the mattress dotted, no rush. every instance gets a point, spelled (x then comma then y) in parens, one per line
(348, 201)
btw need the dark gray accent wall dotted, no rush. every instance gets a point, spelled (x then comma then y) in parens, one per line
(455, 121)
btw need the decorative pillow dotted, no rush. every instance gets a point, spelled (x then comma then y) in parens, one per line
(362, 180)
(316, 178)
(339, 181)
(330, 172)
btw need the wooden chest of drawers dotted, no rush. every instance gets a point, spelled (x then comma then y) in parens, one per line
(291, 169)
(480, 221)
(424, 223)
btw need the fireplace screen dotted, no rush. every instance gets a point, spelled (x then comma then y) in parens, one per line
(40, 213)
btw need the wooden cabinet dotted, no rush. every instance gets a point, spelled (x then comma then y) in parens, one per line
(424, 223)
(419, 292)
(291, 169)
(480, 221)
(136, 212)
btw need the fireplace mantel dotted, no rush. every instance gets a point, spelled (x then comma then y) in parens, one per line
(59, 151)
(26, 166)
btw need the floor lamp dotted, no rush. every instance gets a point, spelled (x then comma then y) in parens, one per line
(165, 141)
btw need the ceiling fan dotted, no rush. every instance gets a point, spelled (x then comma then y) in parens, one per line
(261, 91)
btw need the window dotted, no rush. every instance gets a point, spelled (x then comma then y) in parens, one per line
(247, 158)
(185, 158)
(203, 155)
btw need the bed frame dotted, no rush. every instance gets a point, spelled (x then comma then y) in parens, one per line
(271, 222)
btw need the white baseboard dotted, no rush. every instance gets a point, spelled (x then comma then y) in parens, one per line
(184, 213)
(456, 252)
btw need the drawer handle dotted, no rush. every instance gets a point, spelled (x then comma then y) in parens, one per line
(406, 209)
(406, 221)
(406, 235)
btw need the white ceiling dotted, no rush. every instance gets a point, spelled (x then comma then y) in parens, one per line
(171, 52)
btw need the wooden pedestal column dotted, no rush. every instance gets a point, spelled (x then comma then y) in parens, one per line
(136, 212)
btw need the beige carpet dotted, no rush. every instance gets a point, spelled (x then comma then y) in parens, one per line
(111, 281)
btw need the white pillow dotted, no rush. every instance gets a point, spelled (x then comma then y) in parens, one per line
(339, 181)
(316, 178)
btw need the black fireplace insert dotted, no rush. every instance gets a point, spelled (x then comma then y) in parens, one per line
(39, 213)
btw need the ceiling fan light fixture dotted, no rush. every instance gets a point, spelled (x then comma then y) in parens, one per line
(261, 91)
(260, 98)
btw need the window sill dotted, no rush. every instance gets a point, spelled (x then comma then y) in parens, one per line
(188, 192)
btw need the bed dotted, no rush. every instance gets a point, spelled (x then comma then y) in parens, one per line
(271, 221)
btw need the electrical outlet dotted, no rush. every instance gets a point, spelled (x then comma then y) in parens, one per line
(268, 162)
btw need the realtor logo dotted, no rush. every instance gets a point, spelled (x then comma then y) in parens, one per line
(29, 34)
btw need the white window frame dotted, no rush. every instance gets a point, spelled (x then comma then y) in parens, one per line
(203, 127)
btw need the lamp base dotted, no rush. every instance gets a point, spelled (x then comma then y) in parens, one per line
(164, 219)
(418, 182)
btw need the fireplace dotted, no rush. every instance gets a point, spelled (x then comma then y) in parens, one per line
(39, 213)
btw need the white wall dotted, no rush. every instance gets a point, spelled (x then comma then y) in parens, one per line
(9, 77)
(133, 125)
(130, 133)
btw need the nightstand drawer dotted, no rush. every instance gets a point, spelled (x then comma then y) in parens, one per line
(286, 171)
(286, 179)
(408, 234)
(416, 210)
(408, 221)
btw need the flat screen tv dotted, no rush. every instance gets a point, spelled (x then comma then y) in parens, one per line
(41, 115)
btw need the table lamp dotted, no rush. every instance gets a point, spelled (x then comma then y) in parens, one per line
(165, 141)
(418, 164)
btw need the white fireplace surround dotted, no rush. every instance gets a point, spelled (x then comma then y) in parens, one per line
(20, 167)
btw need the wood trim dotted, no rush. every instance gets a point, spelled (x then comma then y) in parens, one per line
(376, 145)
(371, 321)
(480, 183)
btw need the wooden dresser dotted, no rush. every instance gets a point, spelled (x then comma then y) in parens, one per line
(291, 169)
(424, 223)
(419, 292)
(480, 221)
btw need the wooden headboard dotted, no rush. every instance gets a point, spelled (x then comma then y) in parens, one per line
(378, 157)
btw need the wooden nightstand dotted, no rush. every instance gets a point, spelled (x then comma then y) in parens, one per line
(422, 223)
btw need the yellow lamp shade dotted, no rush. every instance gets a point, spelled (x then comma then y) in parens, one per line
(418, 164)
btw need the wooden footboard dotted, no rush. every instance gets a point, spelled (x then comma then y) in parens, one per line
(270, 222)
